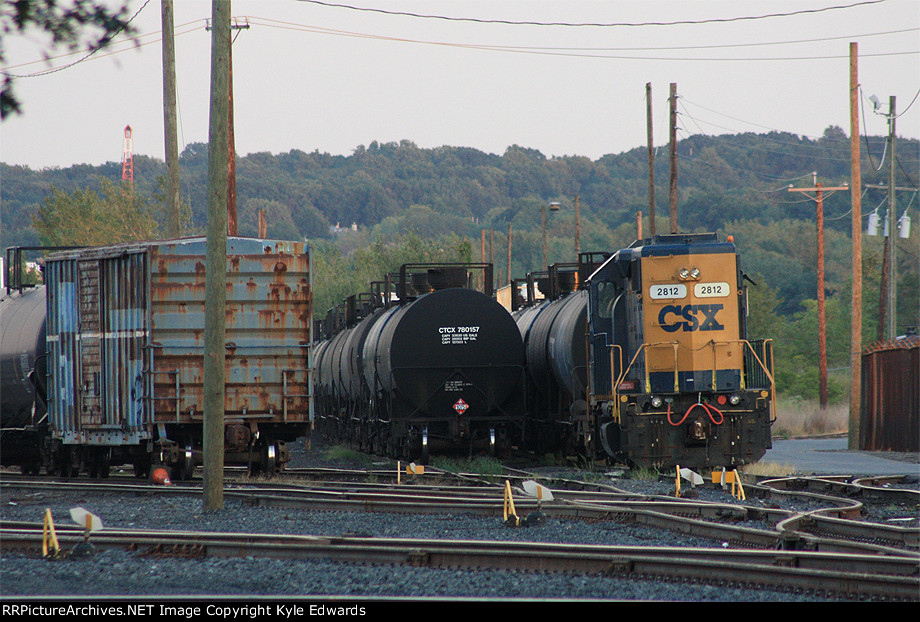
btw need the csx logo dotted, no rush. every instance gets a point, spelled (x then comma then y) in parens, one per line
(671, 315)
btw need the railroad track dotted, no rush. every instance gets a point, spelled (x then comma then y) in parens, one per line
(835, 525)
(828, 549)
(831, 574)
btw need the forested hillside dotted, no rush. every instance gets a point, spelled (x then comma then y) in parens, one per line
(388, 203)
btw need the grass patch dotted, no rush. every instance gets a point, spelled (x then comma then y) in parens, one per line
(346, 454)
(799, 417)
(768, 469)
(479, 465)
(644, 474)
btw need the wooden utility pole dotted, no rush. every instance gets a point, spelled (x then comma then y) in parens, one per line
(173, 220)
(509, 252)
(216, 260)
(651, 158)
(892, 219)
(853, 441)
(673, 129)
(577, 227)
(822, 322)
(543, 216)
(232, 220)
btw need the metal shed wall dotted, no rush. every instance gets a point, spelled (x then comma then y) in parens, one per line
(890, 412)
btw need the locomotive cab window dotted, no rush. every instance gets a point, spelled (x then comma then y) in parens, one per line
(605, 294)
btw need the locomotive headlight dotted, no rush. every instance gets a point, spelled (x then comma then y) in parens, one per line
(735, 399)
(656, 401)
(684, 273)
(695, 273)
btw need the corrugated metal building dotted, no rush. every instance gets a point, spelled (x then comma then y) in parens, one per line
(890, 412)
(126, 344)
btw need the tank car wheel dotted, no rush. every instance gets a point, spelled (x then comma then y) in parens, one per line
(424, 452)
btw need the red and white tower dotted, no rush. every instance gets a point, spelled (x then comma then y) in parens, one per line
(127, 160)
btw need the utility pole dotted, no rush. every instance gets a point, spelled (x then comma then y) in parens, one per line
(509, 252)
(651, 158)
(577, 228)
(673, 129)
(891, 246)
(853, 440)
(543, 216)
(216, 260)
(232, 220)
(822, 323)
(173, 221)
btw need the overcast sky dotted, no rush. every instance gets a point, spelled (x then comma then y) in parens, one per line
(320, 76)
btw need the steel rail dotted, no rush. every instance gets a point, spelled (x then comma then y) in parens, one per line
(843, 574)
(715, 521)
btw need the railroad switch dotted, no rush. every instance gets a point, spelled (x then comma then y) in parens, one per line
(411, 469)
(50, 547)
(724, 478)
(691, 476)
(533, 519)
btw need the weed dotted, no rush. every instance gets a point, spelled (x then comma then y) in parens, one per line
(479, 465)
(340, 452)
(768, 469)
(644, 474)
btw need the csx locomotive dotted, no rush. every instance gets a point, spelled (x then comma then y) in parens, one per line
(641, 357)
(673, 378)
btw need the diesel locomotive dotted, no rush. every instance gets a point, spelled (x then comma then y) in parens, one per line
(668, 377)
(675, 381)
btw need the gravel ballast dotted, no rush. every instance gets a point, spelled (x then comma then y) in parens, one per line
(121, 573)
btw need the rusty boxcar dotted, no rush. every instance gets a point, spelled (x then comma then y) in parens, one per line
(125, 341)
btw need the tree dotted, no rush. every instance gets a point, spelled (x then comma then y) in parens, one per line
(84, 24)
(85, 218)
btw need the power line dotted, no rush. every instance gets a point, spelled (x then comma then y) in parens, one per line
(88, 55)
(589, 24)
(569, 52)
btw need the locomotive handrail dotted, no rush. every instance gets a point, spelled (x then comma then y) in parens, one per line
(768, 372)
